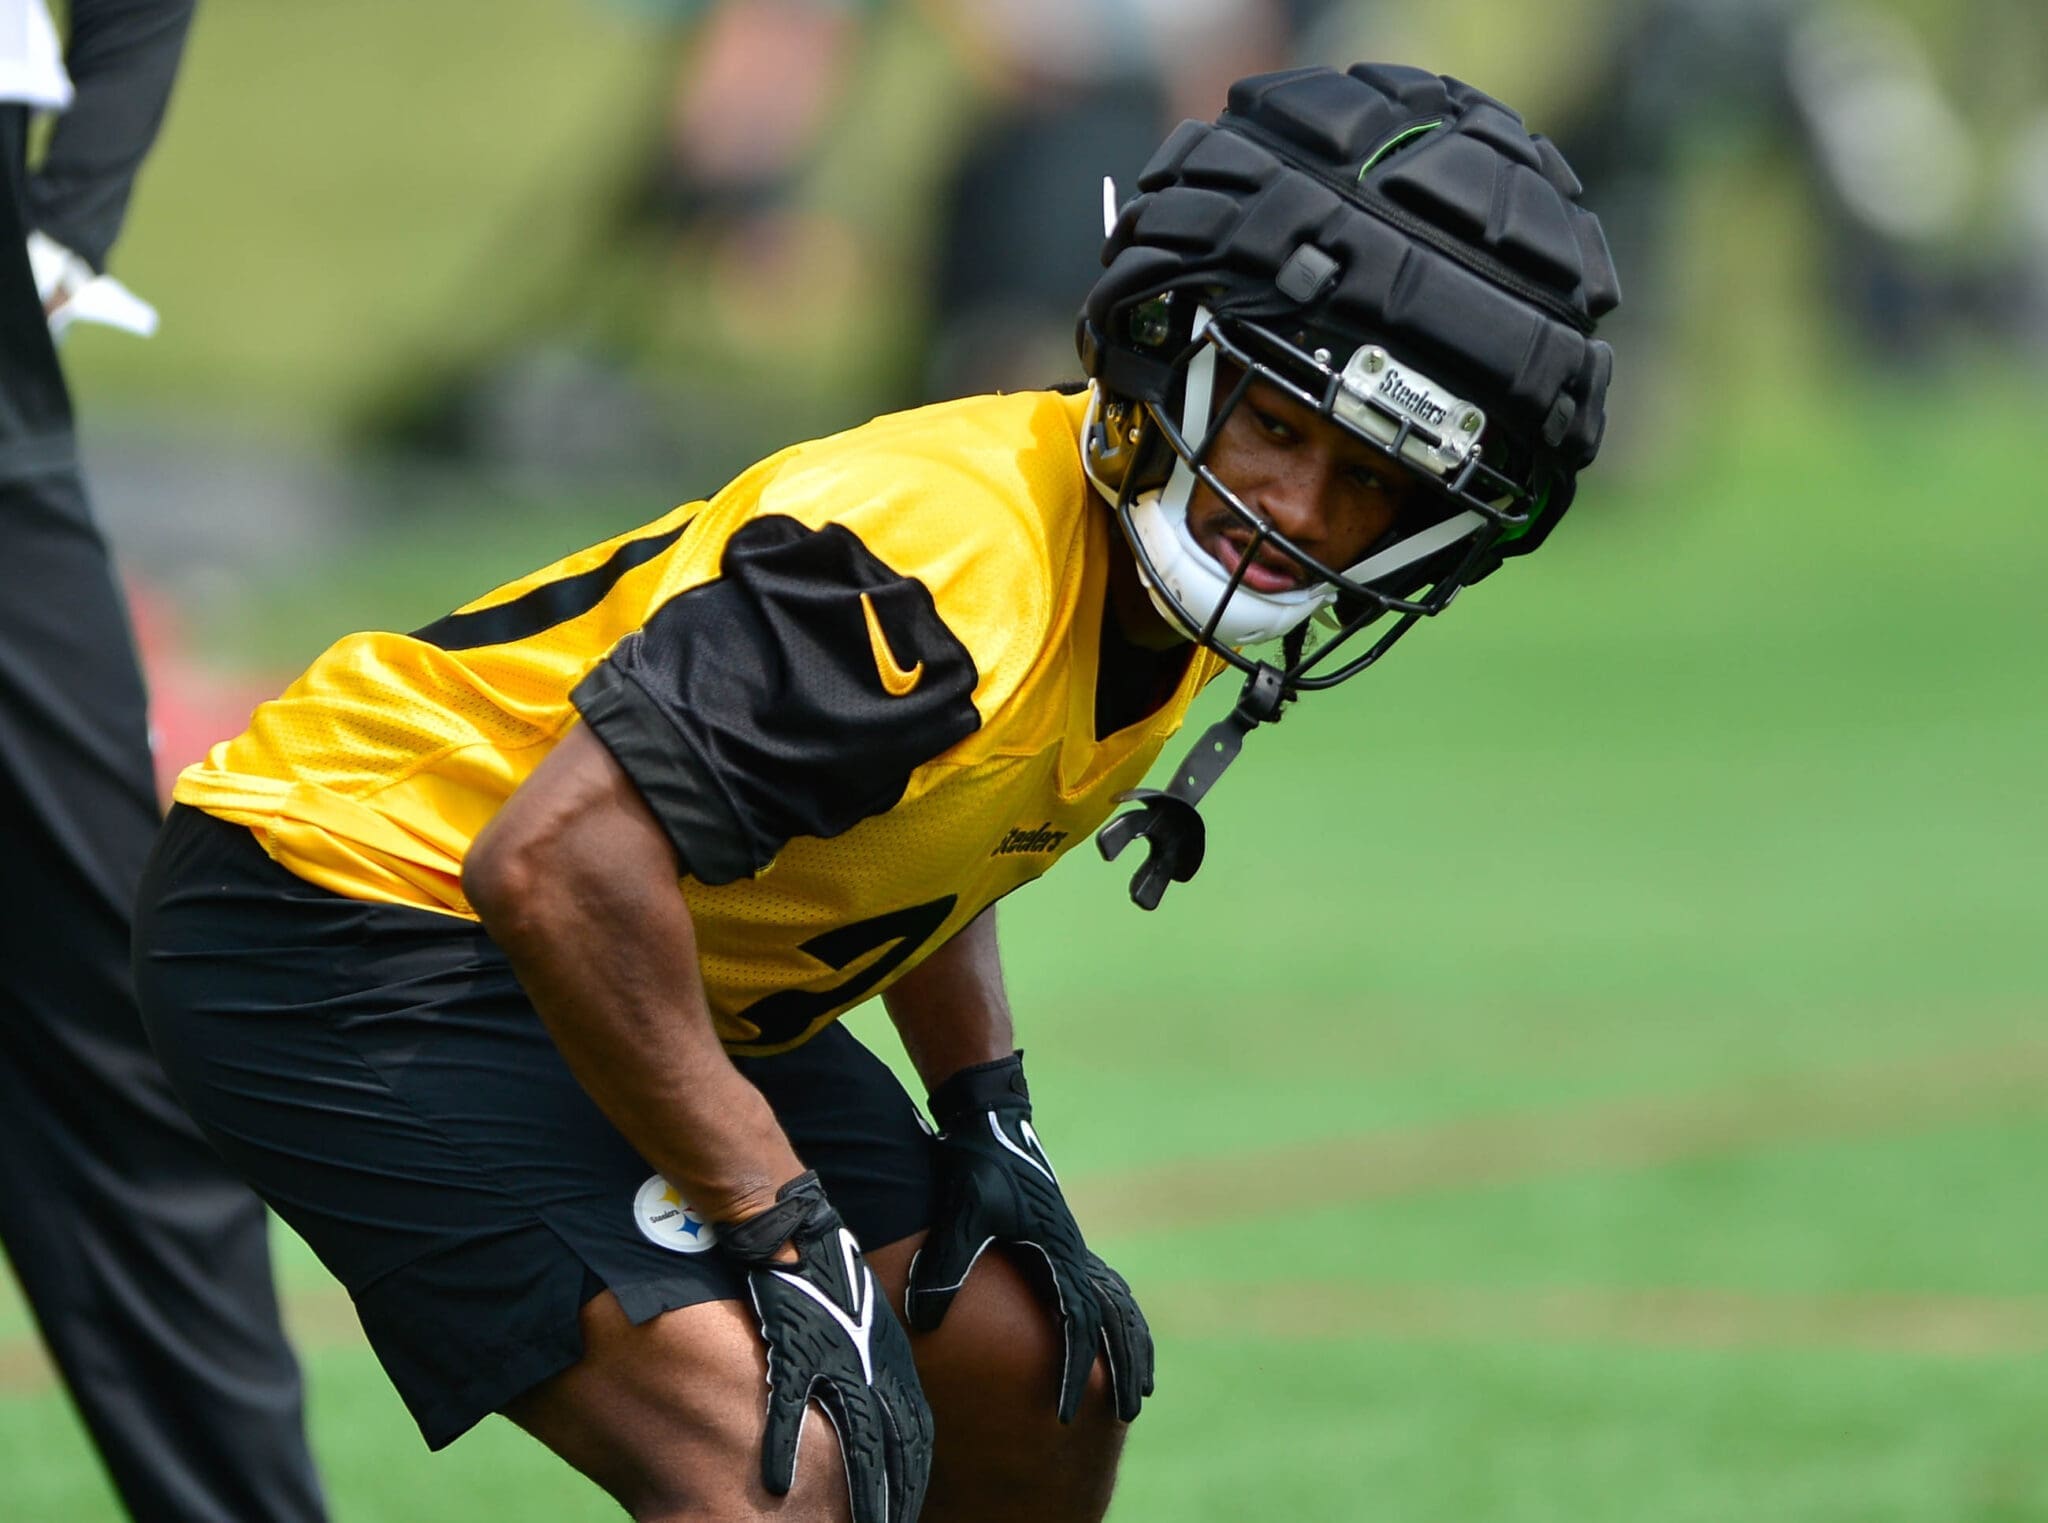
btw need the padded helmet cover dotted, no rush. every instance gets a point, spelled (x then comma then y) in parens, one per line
(1435, 223)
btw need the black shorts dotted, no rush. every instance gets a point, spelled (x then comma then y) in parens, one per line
(378, 1074)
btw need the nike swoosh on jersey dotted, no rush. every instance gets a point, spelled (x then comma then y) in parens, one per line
(896, 682)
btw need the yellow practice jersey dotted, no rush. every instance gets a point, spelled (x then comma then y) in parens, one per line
(858, 687)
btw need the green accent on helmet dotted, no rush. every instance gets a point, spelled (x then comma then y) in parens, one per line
(1395, 142)
(1536, 511)
(1151, 323)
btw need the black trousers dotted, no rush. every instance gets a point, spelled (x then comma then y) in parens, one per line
(147, 1265)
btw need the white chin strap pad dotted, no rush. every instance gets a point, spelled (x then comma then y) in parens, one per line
(1194, 579)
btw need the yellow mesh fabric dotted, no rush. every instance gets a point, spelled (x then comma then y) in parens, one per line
(373, 772)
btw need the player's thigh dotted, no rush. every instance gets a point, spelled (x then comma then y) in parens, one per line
(667, 1416)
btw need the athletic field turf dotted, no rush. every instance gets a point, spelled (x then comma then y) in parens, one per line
(1599, 1075)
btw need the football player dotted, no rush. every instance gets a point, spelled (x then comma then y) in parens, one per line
(505, 956)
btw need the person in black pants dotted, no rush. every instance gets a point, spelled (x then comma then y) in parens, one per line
(146, 1263)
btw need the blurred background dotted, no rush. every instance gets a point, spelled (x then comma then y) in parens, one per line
(1601, 1073)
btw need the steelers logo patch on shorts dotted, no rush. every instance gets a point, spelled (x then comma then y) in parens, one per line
(666, 1218)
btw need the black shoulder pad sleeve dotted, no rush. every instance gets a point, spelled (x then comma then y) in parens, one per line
(792, 695)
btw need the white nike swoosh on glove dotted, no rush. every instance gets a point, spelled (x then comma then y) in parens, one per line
(860, 1327)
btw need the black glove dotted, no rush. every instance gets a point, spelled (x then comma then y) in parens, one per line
(833, 1339)
(1000, 1187)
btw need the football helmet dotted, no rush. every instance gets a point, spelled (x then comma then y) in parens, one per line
(1394, 251)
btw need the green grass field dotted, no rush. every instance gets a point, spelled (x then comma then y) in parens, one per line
(1599, 1075)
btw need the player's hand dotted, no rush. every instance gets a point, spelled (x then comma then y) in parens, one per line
(833, 1339)
(1000, 1188)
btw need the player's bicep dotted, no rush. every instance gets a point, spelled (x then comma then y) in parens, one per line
(792, 695)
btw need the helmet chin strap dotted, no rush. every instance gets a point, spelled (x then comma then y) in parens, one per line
(1406, 552)
(1166, 819)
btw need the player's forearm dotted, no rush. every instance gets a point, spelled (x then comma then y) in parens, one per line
(602, 941)
(951, 1011)
(636, 1033)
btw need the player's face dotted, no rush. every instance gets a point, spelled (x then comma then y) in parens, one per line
(1324, 488)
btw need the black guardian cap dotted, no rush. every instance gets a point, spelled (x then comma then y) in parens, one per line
(1384, 201)
(1396, 251)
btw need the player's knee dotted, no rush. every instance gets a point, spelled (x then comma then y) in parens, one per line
(820, 1474)
(992, 1373)
(1027, 1350)
(1098, 1401)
